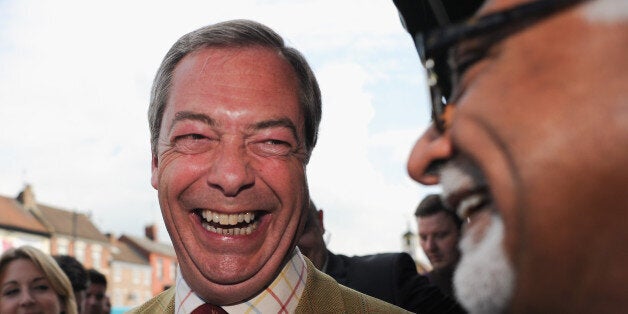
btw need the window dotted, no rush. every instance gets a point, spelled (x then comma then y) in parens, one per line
(79, 252)
(160, 269)
(137, 276)
(117, 296)
(63, 246)
(147, 277)
(117, 273)
(96, 256)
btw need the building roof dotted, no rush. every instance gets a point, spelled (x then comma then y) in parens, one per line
(54, 220)
(71, 223)
(13, 216)
(148, 245)
(123, 252)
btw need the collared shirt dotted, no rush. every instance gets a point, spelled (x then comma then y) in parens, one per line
(281, 296)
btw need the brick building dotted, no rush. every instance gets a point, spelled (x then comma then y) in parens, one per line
(71, 233)
(131, 276)
(160, 256)
(18, 227)
(136, 268)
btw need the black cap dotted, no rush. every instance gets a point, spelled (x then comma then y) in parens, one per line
(421, 16)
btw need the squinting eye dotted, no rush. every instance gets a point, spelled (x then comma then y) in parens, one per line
(10, 292)
(41, 288)
(192, 144)
(271, 147)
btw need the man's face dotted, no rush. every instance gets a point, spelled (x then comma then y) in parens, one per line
(311, 242)
(107, 305)
(94, 298)
(536, 143)
(230, 170)
(79, 296)
(438, 236)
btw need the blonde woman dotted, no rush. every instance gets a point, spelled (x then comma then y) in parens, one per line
(30, 280)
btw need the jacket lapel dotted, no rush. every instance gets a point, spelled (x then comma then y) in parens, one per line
(322, 293)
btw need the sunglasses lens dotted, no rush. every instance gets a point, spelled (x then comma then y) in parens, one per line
(440, 86)
(437, 106)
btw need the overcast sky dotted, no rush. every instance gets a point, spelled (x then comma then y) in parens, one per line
(74, 88)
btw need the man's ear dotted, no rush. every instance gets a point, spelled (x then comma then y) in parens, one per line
(320, 220)
(154, 179)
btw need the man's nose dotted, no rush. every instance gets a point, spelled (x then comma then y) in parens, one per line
(430, 244)
(430, 151)
(230, 171)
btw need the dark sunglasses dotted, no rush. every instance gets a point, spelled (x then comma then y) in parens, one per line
(445, 63)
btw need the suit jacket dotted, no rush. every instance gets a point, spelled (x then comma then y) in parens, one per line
(322, 294)
(391, 277)
(443, 279)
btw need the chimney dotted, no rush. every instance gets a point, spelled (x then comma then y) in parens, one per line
(113, 244)
(151, 232)
(27, 198)
(112, 238)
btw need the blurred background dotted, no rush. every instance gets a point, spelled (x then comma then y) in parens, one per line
(75, 79)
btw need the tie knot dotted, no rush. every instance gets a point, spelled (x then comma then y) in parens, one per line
(208, 308)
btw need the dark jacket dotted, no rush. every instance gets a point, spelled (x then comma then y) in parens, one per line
(391, 277)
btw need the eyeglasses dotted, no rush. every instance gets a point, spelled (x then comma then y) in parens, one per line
(444, 65)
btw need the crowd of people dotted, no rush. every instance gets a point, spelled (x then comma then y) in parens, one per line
(530, 116)
(32, 281)
(391, 277)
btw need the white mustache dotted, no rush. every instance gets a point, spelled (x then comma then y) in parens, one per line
(458, 178)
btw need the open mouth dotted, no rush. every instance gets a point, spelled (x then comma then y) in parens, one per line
(465, 204)
(465, 191)
(230, 224)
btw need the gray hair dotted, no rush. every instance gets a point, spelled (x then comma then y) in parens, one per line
(236, 33)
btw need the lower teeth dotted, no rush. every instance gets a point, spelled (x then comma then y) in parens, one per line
(230, 230)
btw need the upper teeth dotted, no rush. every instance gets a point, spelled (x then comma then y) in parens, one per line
(227, 219)
(467, 204)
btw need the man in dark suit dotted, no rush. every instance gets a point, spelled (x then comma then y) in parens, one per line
(439, 234)
(391, 277)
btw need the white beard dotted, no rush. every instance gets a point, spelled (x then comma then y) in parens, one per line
(484, 279)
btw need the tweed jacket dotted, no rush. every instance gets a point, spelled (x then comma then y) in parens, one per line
(322, 294)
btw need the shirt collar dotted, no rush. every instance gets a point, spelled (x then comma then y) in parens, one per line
(281, 296)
